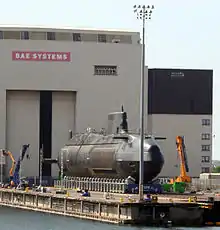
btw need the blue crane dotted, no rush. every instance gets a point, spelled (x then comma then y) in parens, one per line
(15, 180)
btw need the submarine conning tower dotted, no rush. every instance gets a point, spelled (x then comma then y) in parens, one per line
(117, 122)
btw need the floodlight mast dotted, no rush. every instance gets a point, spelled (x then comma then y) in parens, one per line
(144, 13)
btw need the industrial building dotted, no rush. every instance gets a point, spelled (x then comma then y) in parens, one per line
(56, 80)
(180, 103)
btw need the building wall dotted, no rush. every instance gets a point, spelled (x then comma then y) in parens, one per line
(22, 127)
(189, 126)
(63, 118)
(96, 95)
(180, 91)
(68, 35)
(180, 103)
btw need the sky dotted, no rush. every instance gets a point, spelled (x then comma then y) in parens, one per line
(181, 34)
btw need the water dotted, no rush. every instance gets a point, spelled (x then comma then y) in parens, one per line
(17, 219)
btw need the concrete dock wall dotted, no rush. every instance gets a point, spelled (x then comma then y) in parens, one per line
(112, 212)
(153, 213)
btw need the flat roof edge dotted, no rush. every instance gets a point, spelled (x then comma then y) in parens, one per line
(188, 69)
(65, 28)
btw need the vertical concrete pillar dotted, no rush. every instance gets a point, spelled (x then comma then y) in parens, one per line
(50, 202)
(81, 206)
(24, 198)
(154, 212)
(126, 211)
(2, 196)
(100, 209)
(64, 204)
(119, 211)
(12, 197)
(36, 200)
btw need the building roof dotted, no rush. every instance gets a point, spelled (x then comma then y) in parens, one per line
(179, 69)
(43, 28)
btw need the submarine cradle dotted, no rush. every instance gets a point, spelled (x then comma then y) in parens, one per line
(114, 155)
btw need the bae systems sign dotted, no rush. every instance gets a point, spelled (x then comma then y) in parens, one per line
(41, 56)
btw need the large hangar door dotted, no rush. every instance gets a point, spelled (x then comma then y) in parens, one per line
(63, 120)
(22, 127)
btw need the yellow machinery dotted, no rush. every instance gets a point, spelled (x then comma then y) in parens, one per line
(8, 153)
(183, 177)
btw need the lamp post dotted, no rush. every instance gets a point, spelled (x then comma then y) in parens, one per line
(2, 157)
(61, 170)
(41, 165)
(144, 13)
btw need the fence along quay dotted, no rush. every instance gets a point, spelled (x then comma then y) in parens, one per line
(121, 211)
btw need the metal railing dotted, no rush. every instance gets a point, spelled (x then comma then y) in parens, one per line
(206, 184)
(93, 184)
(112, 185)
(45, 180)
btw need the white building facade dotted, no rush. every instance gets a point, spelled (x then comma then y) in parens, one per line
(197, 132)
(56, 80)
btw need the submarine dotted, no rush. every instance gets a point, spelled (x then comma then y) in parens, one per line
(111, 154)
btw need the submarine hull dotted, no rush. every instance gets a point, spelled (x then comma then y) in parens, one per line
(96, 155)
(123, 170)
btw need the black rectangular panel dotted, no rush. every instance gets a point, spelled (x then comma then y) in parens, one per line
(46, 128)
(180, 91)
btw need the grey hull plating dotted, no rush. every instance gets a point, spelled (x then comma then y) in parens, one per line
(116, 156)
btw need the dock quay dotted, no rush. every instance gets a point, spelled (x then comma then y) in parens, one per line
(161, 211)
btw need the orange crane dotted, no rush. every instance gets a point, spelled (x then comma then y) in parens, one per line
(183, 177)
(8, 153)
